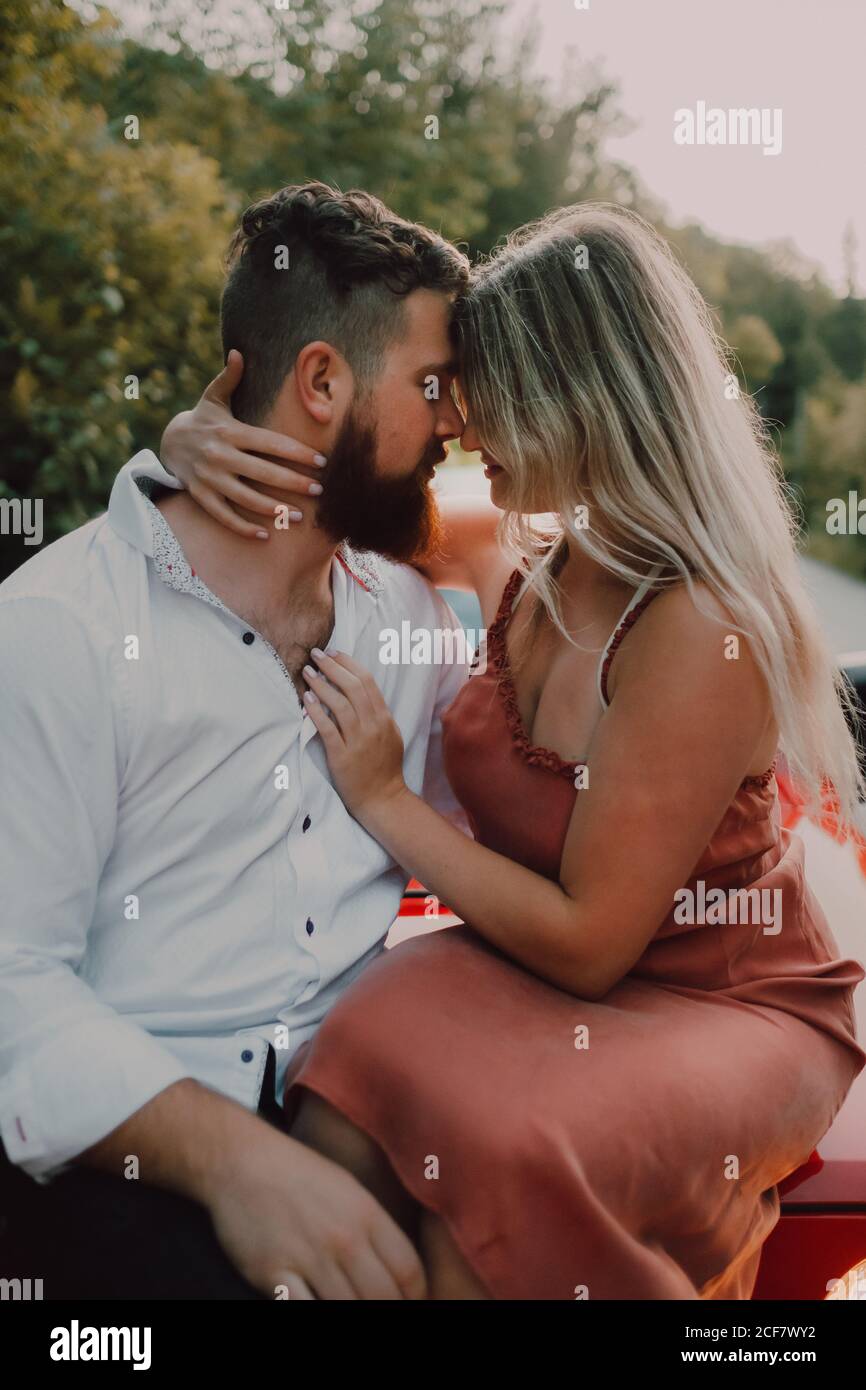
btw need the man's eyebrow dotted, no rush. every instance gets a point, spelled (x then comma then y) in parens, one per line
(441, 368)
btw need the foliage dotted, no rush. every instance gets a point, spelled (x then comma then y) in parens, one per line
(112, 248)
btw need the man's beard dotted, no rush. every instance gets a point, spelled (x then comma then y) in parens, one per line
(396, 517)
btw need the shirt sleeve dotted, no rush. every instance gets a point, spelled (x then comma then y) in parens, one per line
(436, 790)
(71, 1068)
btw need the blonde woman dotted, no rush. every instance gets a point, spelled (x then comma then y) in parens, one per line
(593, 1087)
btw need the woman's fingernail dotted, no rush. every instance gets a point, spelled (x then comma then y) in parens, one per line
(296, 516)
(319, 458)
(261, 535)
(315, 489)
(309, 697)
(308, 671)
(316, 651)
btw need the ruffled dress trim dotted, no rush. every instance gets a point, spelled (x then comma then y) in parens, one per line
(532, 753)
(535, 754)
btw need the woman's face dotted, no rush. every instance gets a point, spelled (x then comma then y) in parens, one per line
(499, 474)
(471, 441)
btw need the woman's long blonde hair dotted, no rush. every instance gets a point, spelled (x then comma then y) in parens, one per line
(595, 372)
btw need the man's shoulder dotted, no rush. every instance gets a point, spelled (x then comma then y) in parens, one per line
(80, 572)
(400, 588)
(63, 617)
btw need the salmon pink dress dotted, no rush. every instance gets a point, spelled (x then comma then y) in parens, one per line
(625, 1148)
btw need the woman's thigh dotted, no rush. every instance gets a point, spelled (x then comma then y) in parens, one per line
(322, 1127)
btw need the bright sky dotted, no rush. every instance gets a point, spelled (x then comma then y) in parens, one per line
(803, 56)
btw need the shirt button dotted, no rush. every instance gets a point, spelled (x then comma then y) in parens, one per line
(249, 638)
(310, 927)
(246, 1055)
(307, 823)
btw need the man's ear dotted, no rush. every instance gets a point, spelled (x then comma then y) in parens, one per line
(323, 381)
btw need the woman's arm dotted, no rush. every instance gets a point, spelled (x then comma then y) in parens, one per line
(211, 452)
(664, 765)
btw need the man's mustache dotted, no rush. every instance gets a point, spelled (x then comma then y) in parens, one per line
(434, 455)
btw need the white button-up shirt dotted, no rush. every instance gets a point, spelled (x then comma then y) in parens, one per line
(181, 884)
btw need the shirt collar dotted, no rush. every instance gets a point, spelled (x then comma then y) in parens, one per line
(129, 513)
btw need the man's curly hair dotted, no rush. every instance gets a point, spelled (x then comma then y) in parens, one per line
(313, 263)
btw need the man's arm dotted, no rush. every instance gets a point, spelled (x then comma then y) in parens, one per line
(71, 1068)
(285, 1215)
(79, 1082)
(179, 1140)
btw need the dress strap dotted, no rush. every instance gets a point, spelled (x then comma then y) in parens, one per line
(520, 591)
(635, 606)
(638, 601)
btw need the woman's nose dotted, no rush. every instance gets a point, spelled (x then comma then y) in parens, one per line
(452, 419)
(469, 440)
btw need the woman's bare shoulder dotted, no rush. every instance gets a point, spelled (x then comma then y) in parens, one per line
(686, 654)
(689, 628)
(695, 611)
(692, 635)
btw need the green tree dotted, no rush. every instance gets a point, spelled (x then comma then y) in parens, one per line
(113, 247)
(842, 332)
(110, 271)
(757, 347)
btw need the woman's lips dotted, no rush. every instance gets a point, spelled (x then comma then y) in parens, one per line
(492, 470)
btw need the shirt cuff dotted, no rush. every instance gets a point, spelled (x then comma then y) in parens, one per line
(73, 1092)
